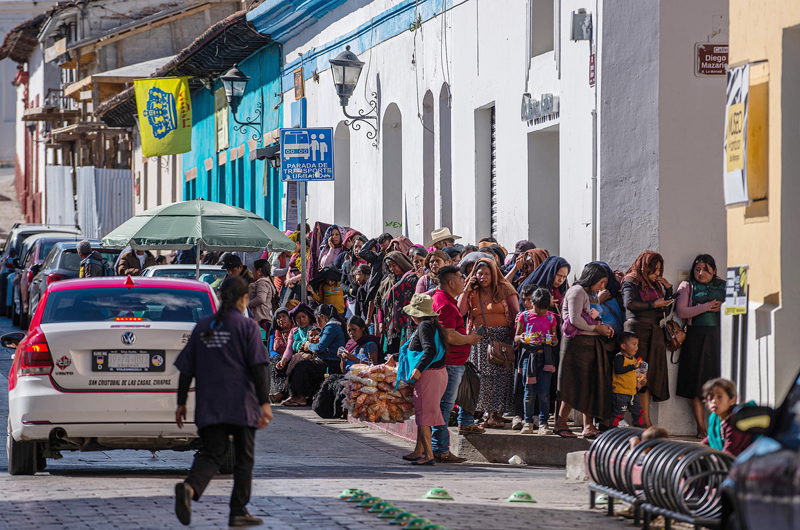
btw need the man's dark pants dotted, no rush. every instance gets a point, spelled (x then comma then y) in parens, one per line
(208, 461)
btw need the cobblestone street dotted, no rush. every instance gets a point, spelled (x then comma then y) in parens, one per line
(302, 463)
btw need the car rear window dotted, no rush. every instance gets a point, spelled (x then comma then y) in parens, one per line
(124, 305)
(72, 261)
(46, 248)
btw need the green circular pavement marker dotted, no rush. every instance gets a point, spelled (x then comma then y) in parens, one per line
(379, 507)
(346, 494)
(438, 494)
(390, 513)
(417, 524)
(358, 497)
(403, 518)
(520, 496)
(369, 502)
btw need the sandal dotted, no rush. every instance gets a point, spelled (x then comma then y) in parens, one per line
(411, 459)
(590, 434)
(430, 462)
(565, 433)
(290, 403)
(274, 398)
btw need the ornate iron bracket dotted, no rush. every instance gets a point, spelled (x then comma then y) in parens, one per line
(254, 123)
(365, 117)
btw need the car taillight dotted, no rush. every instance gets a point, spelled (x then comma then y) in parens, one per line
(33, 355)
(30, 276)
(54, 277)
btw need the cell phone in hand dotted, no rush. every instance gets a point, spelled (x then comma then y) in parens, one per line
(481, 331)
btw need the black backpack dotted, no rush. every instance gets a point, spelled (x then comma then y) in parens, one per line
(328, 401)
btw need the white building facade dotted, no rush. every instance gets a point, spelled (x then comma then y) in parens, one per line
(590, 169)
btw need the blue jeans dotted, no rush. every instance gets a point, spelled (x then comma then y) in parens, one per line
(440, 435)
(541, 389)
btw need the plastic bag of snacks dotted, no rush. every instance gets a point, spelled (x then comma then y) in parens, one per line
(369, 394)
(641, 373)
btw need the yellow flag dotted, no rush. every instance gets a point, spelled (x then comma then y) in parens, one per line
(164, 106)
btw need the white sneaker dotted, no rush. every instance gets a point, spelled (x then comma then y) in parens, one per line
(517, 423)
(528, 428)
(623, 423)
(544, 430)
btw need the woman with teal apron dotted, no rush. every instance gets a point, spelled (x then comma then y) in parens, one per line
(699, 301)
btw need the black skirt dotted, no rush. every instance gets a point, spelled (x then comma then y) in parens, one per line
(700, 360)
(584, 376)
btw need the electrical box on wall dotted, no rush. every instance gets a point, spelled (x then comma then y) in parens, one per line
(581, 25)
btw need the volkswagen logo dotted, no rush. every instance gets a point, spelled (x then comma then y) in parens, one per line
(128, 337)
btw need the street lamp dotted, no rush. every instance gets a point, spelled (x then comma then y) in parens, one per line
(235, 82)
(346, 69)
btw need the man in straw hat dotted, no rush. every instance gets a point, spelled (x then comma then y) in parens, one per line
(441, 237)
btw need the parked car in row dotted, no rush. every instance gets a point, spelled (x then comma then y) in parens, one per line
(62, 263)
(763, 487)
(34, 250)
(19, 232)
(96, 369)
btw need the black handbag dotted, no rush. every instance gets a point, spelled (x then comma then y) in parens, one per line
(470, 387)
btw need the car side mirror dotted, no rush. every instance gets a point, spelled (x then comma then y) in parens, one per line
(753, 420)
(10, 340)
(36, 268)
(16, 262)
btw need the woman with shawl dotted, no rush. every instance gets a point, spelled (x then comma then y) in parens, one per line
(525, 264)
(331, 245)
(293, 276)
(429, 282)
(644, 293)
(349, 261)
(296, 351)
(395, 292)
(491, 302)
(282, 329)
(609, 305)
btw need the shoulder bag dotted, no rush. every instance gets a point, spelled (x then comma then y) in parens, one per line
(500, 353)
(674, 335)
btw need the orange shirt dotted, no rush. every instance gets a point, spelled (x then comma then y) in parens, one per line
(495, 312)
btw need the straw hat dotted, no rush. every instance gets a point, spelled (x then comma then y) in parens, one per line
(421, 306)
(440, 234)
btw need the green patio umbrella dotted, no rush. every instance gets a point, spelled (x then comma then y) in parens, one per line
(198, 223)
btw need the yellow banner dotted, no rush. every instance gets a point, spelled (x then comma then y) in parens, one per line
(165, 115)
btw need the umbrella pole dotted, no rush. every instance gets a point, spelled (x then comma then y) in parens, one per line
(197, 261)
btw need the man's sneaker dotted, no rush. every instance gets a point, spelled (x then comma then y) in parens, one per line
(516, 425)
(544, 430)
(244, 520)
(528, 428)
(449, 458)
(183, 502)
(470, 429)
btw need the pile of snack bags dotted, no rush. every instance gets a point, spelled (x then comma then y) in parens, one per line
(370, 394)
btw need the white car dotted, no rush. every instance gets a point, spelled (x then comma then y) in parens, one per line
(96, 369)
(208, 273)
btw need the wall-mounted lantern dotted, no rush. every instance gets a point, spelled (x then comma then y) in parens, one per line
(346, 69)
(235, 82)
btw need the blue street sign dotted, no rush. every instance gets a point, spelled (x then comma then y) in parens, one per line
(306, 154)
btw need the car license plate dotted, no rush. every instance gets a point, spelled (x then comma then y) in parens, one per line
(128, 361)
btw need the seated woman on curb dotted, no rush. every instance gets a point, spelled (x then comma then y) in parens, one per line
(361, 348)
(326, 349)
(422, 362)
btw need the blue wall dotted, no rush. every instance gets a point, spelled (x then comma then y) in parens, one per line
(239, 183)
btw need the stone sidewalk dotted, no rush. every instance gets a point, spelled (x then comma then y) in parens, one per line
(302, 463)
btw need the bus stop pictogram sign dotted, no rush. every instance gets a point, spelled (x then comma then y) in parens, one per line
(306, 154)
